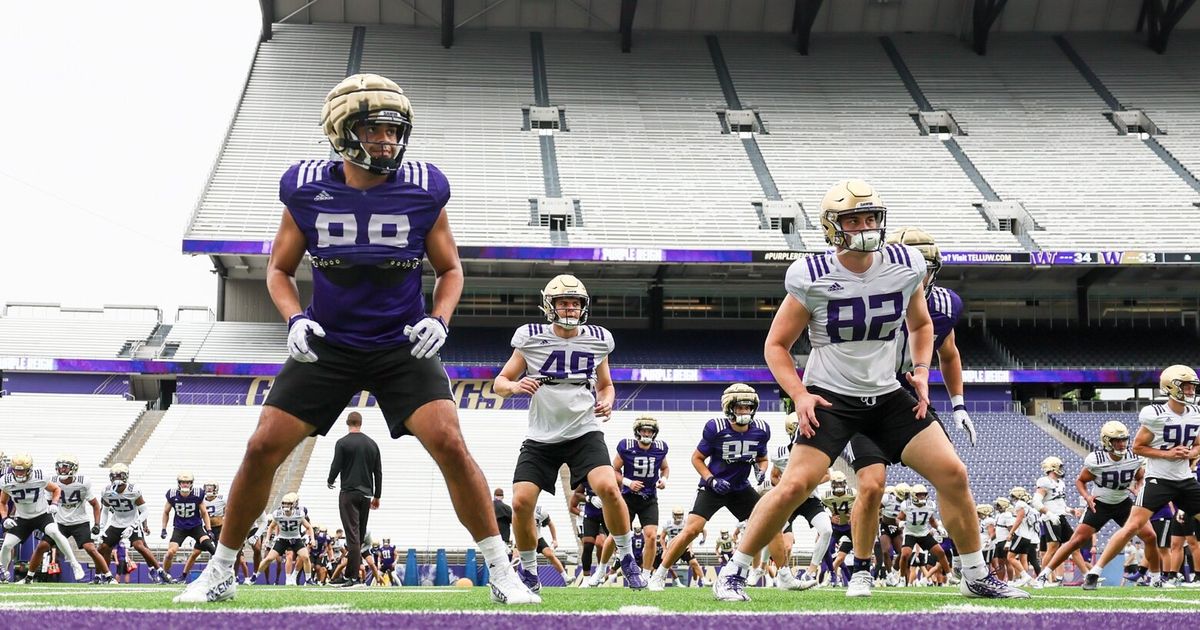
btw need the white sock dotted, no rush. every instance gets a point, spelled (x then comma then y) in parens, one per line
(529, 559)
(660, 572)
(624, 544)
(1154, 576)
(742, 560)
(1096, 569)
(494, 553)
(972, 565)
(224, 557)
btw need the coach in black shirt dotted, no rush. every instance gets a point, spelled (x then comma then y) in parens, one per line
(503, 514)
(356, 460)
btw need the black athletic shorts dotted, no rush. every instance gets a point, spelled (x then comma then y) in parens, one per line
(1157, 492)
(178, 535)
(740, 503)
(1057, 531)
(543, 545)
(1002, 548)
(1023, 547)
(112, 535)
(81, 533)
(887, 420)
(1162, 531)
(891, 530)
(26, 526)
(319, 392)
(863, 452)
(1105, 512)
(925, 542)
(1186, 528)
(593, 527)
(284, 545)
(539, 462)
(989, 555)
(846, 546)
(643, 508)
(809, 510)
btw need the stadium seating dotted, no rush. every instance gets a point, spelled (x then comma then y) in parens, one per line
(48, 425)
(1008, 453)
(1086, 425)
(1038, 134)
(68, 338)
(1098, 346)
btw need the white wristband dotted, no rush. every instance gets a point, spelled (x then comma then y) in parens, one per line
(626, 482)
(957, 400)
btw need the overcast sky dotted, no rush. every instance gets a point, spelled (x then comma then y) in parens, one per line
(113, 113)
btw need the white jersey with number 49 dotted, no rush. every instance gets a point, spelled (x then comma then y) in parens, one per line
(563, 408)
(854, 318)
(1170, 430)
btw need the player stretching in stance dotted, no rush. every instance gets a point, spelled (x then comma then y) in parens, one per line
(72, 517)
(1118, 476)
(367, 221)
(191, 521)
(852, 302)
(564, 367)
(1167, 439)
(35, 499)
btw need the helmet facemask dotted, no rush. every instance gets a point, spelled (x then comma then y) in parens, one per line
(920, 498)
(569, 323)
(861, 240)
(66, 468)
(641, 427)
(354, 148)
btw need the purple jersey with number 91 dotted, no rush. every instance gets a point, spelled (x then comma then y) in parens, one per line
(642, 464)
(731, 454)
(373, 241)
(186, 508)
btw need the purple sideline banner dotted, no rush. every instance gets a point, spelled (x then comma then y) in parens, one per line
(664, 255)
(54, 383)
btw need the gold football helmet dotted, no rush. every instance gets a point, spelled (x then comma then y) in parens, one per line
(1053, 464)
(924, 243)
(902, 491)
(1002, 504)
(837, 482)
(1019, 493)
(847, 197)
(645, 422)
(791, 424)
(739, 394)
(66, 466)
(983, 510)
(119, 473)
(289, 502)
(366, 98)
(1174, 378)
(184, 482)
(920, 494)
(565, 285)
(1113, 430)
(22, 467)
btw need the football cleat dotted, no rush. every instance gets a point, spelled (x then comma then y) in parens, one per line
(508, 588)
(596, 579)
(1041, 582)
(215, 584)
(808, 580)
(1162, 582)
(991, 588)
(730, 585)
(756, 576)
(528, 578)
(1091, 582)
(658, 582)
(633, 573)
(785, 580)
(860, 584)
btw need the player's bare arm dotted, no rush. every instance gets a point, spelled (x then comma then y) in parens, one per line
(606, 393)
(664, 472)
(166, 516)
(447, 268)
(920, 348)
(512, 380)
(699, 465)
(204, 516)
(950, 363)
(286, 253)
(790, 321)
(55, 491)
(1141, 447)
(1085, 477)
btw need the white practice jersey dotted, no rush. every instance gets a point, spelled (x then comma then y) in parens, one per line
(671, 530)
(30, 496)
(563, 408)
(889, 506)
(1170, 430)
(122, 506)
(1113, 476)
(779, 459)
(541, 519)
(1027, 528)
(916, 518)
(1054, 500)
(291, 526)
(1005, 521)
(215, 504)
(839, 506)
(984, 538)
(74, 508)
(854, 318)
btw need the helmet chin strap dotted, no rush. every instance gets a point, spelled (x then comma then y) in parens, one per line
(865, 240)
(743, 420)
(645, 440)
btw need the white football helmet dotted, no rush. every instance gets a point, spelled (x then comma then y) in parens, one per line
(791, 424)
(563, 286)
(1173, 380)
(366, 98)
(739, 394)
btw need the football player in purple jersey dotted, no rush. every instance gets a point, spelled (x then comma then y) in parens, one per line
(730, 447)
(641, 462)
(367, 221)
(191, 521)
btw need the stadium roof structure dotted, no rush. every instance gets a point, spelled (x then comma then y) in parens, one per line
(972, 19)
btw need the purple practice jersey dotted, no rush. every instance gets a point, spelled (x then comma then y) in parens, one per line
(1164, 513)
(731, 454)
(387, 555)
(187, 508)
(589, 510)
(945, 309)
(367, 247)
(642, 464)
(639, 544)
(321, 542)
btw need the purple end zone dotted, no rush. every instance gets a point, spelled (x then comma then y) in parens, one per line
(216, 619)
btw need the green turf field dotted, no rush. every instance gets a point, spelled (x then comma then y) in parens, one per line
(149, 597)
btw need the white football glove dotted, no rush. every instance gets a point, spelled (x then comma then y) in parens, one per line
(596, 503)
(52, 509)
(427, 336)
(963, 420)
(299, 328)
(10, 523)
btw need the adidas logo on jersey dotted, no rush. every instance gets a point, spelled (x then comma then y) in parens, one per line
(835, 287)
(323, 196)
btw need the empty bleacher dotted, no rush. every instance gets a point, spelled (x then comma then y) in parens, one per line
(68, 338)
(1038, 134)
(1086, 425)
(1104, 346)
(49, 425)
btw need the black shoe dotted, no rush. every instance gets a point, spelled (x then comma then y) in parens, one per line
(1091, 582)
(349, 584)
(338, 582)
